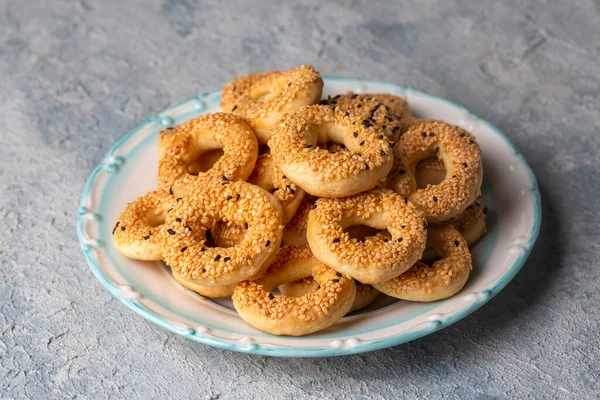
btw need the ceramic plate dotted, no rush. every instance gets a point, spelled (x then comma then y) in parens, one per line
(130, 168)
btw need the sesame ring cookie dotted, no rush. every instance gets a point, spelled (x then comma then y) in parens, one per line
(203, 134)
(295, 316)
(296, 148)
(269, 177)
(215, 292)
(365, 294)
(471, 223)
(444, 278)
(294, 232)
(371, 112)
(137, 232)
(262, 99)
(461, 156)
(186, 247)
(378, 258)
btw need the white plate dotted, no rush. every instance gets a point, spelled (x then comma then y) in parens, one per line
(129, 170)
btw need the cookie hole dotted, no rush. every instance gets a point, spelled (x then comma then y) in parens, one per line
(362, 232)
(205, 161)
(225, 235)
(156, 217)
(429, 171)
(430, 255)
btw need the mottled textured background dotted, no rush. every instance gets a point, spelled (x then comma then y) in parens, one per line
(76, 75)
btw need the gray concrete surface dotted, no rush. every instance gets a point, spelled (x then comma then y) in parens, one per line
(76, 75)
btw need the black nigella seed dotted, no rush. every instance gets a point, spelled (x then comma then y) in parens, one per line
(203, 249)
(424, 134)
(456, 243)
(354, 95)
(362, 143)
(237, 197)
(385, 240)
(471, 141)
(271, 297)
(117, 224)
(401, 172)
(381, 136)
(462, 134)
(246, 225)
(403, 226)
(292, 191)
(178, 219)
(284, 177)
(367, 123)
(395, 129)
(335, 280)
(171, 231)
(338, 274)
(353, 122)
(399, 239)
(169, 210)
(347, 114)
(425, 225)
(183, 249)
(435, 199)
(453, 176)
(217, 257)
(234, 108)
(268, 243)
(178, 199)
(390, 119)
(289, 83)
(355, 134)
(227, 259)
(383, 126)
(465, 165)
(147, 237)
(359, 106)
(229, 197)
(169, 128)
(336, 240)
(123, 228)
(314, 206)
(382, 152)
(431, 134)
(170, 190)
(308, 146)
(224, 177)
(405, 200)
